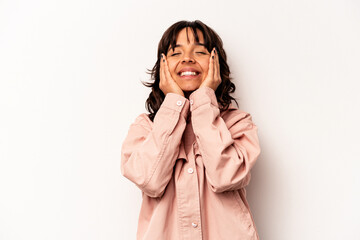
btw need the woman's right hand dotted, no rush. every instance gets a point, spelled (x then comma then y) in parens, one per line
(167, 83)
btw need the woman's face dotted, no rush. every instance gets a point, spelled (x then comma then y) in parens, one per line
(189, 62)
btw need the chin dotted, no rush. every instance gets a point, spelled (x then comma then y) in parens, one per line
(189, 90)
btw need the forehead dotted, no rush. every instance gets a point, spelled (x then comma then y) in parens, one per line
(186, 35)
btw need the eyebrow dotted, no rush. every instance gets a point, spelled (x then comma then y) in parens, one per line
(179, 45)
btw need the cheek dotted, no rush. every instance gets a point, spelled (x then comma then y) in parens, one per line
(205, 64)
(205, 67)
(172, 67)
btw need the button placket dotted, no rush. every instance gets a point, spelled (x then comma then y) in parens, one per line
(189, 202)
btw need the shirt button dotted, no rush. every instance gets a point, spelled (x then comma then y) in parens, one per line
(194, 225)
(191, 101)
(190, 170)
(179, 103)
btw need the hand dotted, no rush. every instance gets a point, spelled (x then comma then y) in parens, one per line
(167, 83)
(213, 78)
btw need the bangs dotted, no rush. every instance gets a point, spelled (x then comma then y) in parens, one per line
(188, 25)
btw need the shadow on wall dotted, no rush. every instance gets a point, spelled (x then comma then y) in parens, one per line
(264, 192)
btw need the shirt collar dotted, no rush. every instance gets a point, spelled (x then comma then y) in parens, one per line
(182, 153)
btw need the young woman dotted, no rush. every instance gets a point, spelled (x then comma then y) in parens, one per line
(192, 154)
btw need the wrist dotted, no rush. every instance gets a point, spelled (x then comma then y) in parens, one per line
(209, 86)
(176, 92)
(181, 94)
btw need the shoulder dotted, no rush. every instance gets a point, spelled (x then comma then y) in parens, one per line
(143, 120)
(234, 116)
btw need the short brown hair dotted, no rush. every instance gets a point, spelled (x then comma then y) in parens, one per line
(211, 40)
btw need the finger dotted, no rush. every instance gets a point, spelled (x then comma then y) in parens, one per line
(211, 64)
(217, 66)
(162, 74)
(166, 69)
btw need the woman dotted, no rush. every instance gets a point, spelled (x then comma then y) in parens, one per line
(192, 154)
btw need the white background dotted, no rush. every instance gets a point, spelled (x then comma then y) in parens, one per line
(70, 85)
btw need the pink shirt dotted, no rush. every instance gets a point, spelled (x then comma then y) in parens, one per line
(192, 165)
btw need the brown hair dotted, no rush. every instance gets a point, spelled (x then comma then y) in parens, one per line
(211, 40)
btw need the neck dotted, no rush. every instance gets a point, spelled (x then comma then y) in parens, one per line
(187, 94)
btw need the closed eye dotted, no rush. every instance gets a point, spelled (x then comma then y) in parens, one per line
(174, 54)
(202, 53)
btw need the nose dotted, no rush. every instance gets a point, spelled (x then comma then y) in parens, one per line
(188, 58)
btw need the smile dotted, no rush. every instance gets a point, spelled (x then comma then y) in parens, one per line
(189, 73)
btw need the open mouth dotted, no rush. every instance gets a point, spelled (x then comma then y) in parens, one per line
(188, 73)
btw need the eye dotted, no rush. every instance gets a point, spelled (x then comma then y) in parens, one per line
(204, 53)
(174, 54)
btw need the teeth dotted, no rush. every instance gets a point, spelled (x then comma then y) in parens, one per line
(188, 73)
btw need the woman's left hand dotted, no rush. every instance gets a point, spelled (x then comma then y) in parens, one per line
(213, 78)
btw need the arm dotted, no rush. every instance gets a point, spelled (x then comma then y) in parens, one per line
(150, 149)
(229, 145)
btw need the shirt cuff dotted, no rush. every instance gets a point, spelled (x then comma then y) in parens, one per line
(201, 96)
(176, 102)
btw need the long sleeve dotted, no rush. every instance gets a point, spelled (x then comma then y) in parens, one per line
(150, 149)
(228, 144)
